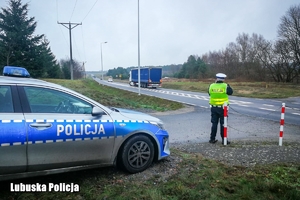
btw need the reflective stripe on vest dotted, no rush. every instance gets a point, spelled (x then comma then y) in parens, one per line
(218, 94)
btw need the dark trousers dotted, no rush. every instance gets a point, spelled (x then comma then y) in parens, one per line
(216, 115)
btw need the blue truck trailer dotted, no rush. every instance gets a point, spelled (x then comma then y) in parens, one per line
(150, 77)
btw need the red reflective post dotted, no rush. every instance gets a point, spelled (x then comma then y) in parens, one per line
(281, 124)
(225, 122)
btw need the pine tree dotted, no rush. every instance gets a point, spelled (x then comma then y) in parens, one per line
(46, 62)
(18, 44)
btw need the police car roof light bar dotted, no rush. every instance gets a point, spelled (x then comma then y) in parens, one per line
(15, 71)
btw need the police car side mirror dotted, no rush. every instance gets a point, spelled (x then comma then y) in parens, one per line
(97, 111)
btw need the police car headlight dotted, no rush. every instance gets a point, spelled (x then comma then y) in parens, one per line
(159, 125)
(165, 140)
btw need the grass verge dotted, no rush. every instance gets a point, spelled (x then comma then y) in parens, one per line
(242, 89)
(113, 97)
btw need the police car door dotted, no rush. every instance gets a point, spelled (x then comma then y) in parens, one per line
(62, 131)
(12, 132)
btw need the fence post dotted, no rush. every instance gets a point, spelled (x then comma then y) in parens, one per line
(281, 124)
(225, 123)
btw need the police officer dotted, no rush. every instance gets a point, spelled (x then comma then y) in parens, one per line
(218, 93)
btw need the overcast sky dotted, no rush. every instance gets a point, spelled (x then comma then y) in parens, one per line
(170, 30)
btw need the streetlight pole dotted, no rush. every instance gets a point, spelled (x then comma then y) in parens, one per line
(102, 58)
(139, 70)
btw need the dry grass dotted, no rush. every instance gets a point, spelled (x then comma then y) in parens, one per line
(113, 97)
(243, 89)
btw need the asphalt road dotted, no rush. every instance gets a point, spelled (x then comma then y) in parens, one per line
(260, 108)
(192, 124)
(249, 119)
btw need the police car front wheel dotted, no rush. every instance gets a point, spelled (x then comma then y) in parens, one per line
(137, 154)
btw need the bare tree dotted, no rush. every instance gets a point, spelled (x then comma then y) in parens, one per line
(261, 53)
(245, 47)
(288, 68)
(214, 61)
(242, 48)
(289, 39)
(265, 54)
(230, 60)
(274, 59)
(239, 60)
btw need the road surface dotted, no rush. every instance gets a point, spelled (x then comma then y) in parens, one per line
(269, 109)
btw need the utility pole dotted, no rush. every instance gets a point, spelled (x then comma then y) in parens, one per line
(83, 69)
(102, 59)
(139, 58)
(70, 27)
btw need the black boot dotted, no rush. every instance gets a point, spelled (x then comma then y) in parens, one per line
(213, 141)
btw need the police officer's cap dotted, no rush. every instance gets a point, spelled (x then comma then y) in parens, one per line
(221, 76)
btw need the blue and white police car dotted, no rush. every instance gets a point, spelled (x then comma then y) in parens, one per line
(46, 128)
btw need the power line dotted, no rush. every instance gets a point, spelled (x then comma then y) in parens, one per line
(84, 53)
(90, 10)
(56, 11)
(77, 49)
(63, 35)
(73, 10)
(57, 20)
(70, 27)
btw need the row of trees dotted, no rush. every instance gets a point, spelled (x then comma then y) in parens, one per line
(123, 73)
(20, 47)
(250, 57)
(194, 68)
(119, 72)
(253, 57)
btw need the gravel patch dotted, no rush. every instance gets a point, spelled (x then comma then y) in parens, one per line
(242, 153)
(253, 142)
(247, 153)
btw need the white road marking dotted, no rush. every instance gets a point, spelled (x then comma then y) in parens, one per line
(206, 98)
(267, 109)
(268, 105)
(243, 105)
(204, 107)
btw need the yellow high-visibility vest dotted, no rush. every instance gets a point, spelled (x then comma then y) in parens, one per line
(218, 94)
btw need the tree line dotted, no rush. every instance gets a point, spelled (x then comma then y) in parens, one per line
(19, 46)
(252, 57)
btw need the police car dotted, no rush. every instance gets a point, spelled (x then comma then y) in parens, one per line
(46, 128)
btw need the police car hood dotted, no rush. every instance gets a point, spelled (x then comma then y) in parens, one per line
(135, 115)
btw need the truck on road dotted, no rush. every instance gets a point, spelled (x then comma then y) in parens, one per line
(150, 77)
